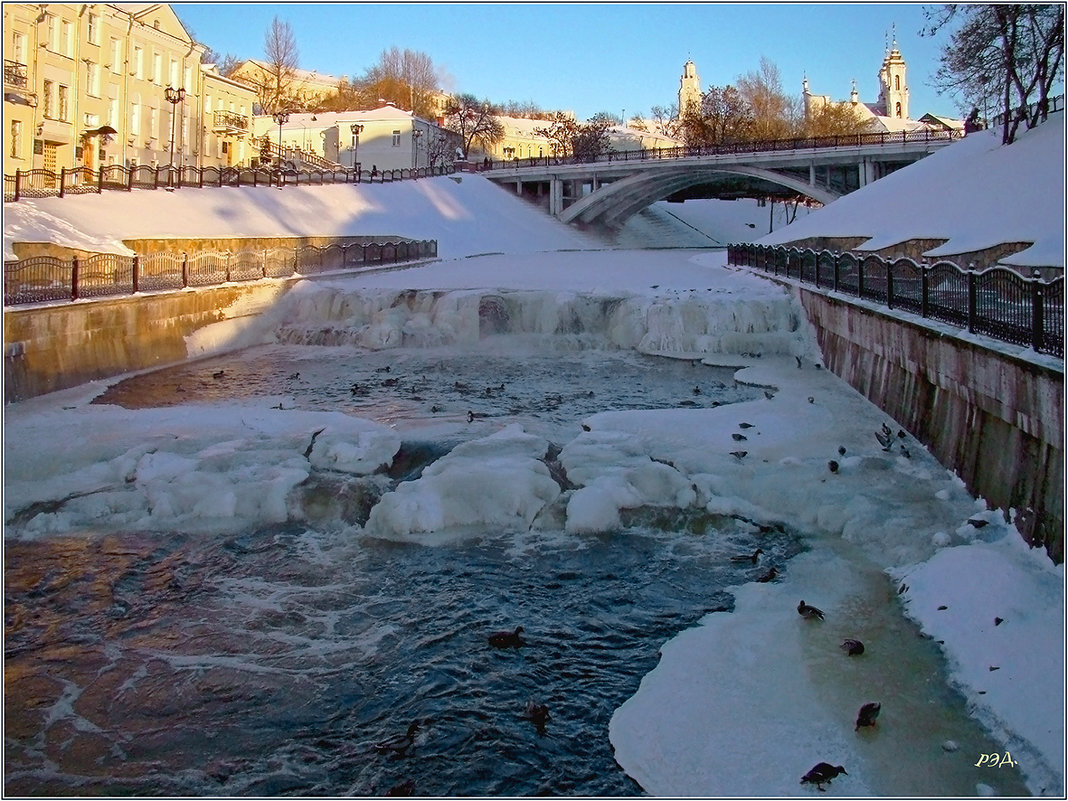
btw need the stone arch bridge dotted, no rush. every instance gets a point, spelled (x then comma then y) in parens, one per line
(608, 191)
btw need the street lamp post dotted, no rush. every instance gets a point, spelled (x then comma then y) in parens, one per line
(174, 97)
(281, 117)
(356, 129)
(416, 135)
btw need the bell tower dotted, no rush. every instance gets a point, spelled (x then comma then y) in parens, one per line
(689, 87)
(893, 90)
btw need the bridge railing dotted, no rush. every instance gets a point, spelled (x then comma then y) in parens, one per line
(41, 279)
(762, 146)
(47, 183)
(998, 302)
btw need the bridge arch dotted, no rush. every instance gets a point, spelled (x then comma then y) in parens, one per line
(613, 203)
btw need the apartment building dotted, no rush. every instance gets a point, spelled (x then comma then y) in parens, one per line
(87, 85)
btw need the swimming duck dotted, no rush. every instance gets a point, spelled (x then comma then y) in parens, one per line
(399, 744)
(218, 374)
(867, 715)
(852, 647)
(769, 576)
(809, 612)
(507, 639)
(536, 714)
(822, 773)
(752, 558)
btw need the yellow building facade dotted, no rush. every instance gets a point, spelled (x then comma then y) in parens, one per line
(86, 85)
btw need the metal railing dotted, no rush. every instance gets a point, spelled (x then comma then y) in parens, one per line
(997, 302)
(14, 74)
(229, 119)
(80, 180)
(41, 279)
(762, 146)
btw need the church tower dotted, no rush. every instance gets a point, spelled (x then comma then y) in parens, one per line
(689, 87)
(893, 91)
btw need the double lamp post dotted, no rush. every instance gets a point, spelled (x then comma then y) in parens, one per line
(174, 97)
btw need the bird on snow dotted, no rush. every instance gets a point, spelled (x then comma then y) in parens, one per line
(739, 454)
(399, 744)
(739, 437)
(867, 715)
(507, 639)
(841, 450)
(885, 439)
(852, 647)
(751, 558)
(809, 612)
(822, 773)
(832, 465)
(745, 425)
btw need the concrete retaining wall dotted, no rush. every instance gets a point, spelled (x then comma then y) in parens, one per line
(995, 419)
(55, 347)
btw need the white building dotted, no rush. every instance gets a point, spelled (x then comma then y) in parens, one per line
(386, 138)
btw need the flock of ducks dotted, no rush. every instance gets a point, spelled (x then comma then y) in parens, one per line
(822, 772)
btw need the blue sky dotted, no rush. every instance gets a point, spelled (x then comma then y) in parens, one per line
(591, 57)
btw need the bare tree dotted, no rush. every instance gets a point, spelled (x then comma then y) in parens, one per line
(722, 117)
(406, 78)
(1010, 55)
(775, 114)
(665, 120)
(561, 132)
(275, 88)
(833, 119)
(474, 120)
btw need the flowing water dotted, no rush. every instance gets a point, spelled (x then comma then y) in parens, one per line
(272, 662)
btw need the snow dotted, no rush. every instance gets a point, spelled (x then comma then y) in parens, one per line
(743, 703)
(975, 194)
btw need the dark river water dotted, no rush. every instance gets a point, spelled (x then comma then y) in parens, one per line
(272, 662)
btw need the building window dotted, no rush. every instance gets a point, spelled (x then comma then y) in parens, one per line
(48, 91)
(174, 74)
(64, 103)
(157, 68)
(897, 82)
(135, 120)
(94, 29)
(188, 80)
(897, 110)
(116, 56)
(153, 123)
(139, 62)
(113, 112)
(16, 139)
(68, 39)
(18, 47)
(92, 79)
(52, 32)
(396, 139)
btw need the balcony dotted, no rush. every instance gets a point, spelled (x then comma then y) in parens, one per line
(14, 74)
(228, 122)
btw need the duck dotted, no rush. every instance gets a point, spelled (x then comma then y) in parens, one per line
(852, 647)
(867, 715)
(809, 612)
(399, 744)
(745, 425)
(739, 454)
(507, 639)
(537, 714)
(218, 374)
(770, 575)
(739, 437)
(752, 558)
(821, 773)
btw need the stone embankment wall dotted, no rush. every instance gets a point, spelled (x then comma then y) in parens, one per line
(55, 347)
(996, 420)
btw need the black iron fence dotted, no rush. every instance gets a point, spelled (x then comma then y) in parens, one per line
(41, 279)
(997, 302)
(765, 145)
(82, 180)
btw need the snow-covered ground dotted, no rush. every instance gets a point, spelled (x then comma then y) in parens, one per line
(745, 702)
(975, 194)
